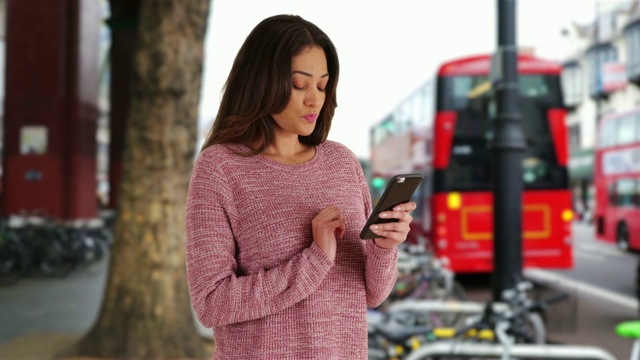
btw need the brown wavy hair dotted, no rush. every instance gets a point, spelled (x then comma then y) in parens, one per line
(260, 84)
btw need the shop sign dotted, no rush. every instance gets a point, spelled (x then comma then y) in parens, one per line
(614, 76)
(621, 161)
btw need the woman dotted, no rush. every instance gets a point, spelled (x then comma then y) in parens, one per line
(275, 264)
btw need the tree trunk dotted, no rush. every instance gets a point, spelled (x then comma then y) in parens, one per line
(146, 312)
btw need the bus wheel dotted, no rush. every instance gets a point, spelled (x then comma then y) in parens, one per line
(622, 237)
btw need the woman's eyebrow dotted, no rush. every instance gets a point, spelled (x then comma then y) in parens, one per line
(307, 74)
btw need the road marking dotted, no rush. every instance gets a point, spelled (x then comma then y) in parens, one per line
(584, 249)
(604, 294)
(600, 252)
(589, 246)
(609, 250)
(591, 256)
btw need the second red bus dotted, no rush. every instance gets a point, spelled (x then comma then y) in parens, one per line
(617, 180)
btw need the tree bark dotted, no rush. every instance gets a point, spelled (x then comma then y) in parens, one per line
(146, 312)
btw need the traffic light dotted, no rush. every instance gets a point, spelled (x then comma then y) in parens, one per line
(378, 183)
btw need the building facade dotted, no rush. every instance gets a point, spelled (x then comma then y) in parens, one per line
(601, 76)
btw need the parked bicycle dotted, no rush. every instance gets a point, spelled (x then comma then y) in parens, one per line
(34, 244)
(398, 333)
(521, 318)
(86, 240)
(14, 257)
(422, 276)
(42, 240)
(518, 332)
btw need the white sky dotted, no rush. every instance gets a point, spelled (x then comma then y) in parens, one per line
(386, 48)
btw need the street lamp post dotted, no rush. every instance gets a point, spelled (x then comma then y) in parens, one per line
(507, 148)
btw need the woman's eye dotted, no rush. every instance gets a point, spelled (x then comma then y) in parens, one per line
(321, 89)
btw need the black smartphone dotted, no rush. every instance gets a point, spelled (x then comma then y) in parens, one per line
(398, 191)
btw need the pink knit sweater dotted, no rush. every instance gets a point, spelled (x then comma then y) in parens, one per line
(256, 277)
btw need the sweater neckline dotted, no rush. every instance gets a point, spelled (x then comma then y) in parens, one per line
(284, 166)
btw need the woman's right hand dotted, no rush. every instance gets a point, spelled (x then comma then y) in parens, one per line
(326, 226)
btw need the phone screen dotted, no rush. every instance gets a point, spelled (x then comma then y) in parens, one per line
(399, 190)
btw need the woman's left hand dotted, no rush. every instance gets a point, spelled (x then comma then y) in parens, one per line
(394, 233)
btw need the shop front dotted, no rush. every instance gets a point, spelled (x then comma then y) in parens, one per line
(581, 166)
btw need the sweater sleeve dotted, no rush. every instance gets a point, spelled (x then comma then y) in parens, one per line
(381, 265)
(219, 295)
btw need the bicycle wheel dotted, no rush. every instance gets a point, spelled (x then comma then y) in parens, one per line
(536, 328)
(53, 260)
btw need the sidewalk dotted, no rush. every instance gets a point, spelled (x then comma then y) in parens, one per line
(40, 317)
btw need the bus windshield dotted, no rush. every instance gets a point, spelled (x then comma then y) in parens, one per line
(470, 158)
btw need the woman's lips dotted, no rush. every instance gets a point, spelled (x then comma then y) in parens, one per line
(310, 117)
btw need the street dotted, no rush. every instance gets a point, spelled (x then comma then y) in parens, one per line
(601, 264)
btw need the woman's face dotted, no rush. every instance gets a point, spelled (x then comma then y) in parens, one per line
(310, 77)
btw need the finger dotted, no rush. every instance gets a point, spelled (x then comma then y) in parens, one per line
(394, 227)
(387, 243)
(408, 206)
(328, 210)
(329, 213)
(392, 236)
(386, 229)
(401, 215)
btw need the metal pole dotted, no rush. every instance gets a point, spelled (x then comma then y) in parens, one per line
(507, 149)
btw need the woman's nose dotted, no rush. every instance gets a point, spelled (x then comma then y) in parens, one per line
(314, 98)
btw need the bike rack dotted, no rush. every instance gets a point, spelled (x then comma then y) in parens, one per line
(471, 349)
(443, 306)
(521, 351)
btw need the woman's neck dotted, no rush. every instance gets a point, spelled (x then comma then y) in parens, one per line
(289, 151)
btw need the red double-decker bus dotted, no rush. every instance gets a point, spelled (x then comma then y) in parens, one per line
(456, 197)
(617, 180)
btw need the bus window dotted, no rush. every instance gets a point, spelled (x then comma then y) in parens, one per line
(540, 165)
(384, 130)
(470, 161)
(454, 91)
(462, 85)
(626, 130)
(624, 192)
(533, 86)
(608, 133)
(469, 167)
